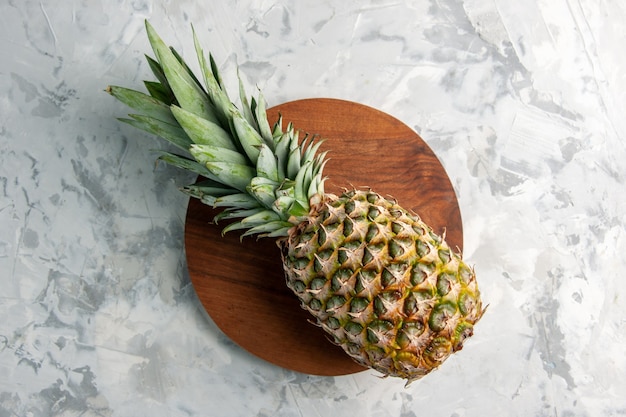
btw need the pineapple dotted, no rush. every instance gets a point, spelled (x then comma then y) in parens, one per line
(375, 277)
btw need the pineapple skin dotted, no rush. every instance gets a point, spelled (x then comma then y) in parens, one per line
(386, 288)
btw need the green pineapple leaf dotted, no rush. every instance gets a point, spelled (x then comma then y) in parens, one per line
(245, 104)
(209, 153)
(173, 134)
(184, 163)
(262, 122)
(264, 190)
(266, 165)
(208, 187)
(203, 131)
(186, 88)
(249, 138)
(218, 96)
(159, 92)
(235, 175)
(239, 200)
(143, 103)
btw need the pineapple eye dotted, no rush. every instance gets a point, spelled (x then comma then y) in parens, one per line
(385, 299)
(416, 301)
(298, 286)
(372, 337)
(465, 274)
(395, 249)
(315, 304)
(348, 227)
(462, 332)
(355, 350)
(395, 213)
(340, 278)
(445, 283)
(444, 255)
(317, 284)
(420, 273)
(367, 275)
(379, 307)
(417, 229)
(321, 236)
(377, 330)
(358, 304)
(321, 258)
(413, 328)
(358, 287)
(413, 217)
(440, 316)
(467, 303)
(306, 237)
(299, 263)
(349, 207)
(335, 302)
(387, 278)
(372, 232)
(436, 238)
(353, 328)
(333, 323)
(393, 273)
(410, 305)
(423, 295)
(373, 213)
(342, 256)
(367, 256)
(438, 350)
(422, 248)
(409, 332)
(348, 248)
(365, 280)
(372, 252)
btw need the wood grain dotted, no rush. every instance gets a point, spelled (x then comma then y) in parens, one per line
(241, 283)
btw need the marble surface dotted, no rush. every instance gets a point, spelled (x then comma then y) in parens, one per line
(523, 102)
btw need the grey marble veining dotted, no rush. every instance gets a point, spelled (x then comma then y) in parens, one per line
(523, 102)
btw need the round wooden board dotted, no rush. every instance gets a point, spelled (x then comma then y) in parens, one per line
(241, 283)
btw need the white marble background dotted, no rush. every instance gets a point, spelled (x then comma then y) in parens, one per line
(524, 102)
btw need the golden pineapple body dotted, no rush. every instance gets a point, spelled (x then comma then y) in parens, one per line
(390, 291)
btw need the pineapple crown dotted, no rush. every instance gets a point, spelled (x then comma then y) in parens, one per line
(261, 176)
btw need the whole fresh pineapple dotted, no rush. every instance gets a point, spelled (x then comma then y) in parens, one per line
(387, 289)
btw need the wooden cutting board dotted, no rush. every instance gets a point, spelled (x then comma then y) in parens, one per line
(241, 283)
